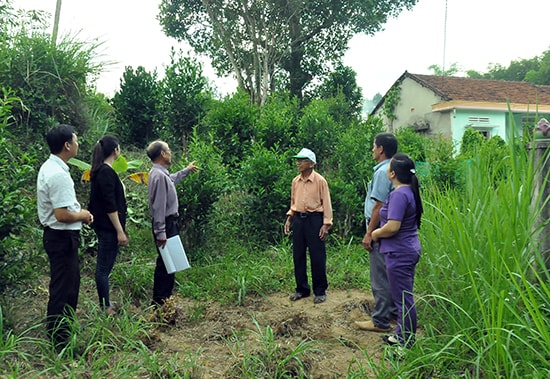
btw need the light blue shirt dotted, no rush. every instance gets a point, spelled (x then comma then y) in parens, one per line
(379, 188)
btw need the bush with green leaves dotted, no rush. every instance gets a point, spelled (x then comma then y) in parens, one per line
(495, 155)
(183, 98)
(492, 153)
(350, 171)
(472, 141)
(266, 176)
(17, 180)
(135, 107)
(278, 122)
(412, 143)
(199, 192)
(341, 85)
(229, 125)
(435, 159)
(444, 170)
(318, 130)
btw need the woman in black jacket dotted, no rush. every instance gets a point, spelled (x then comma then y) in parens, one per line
(108, 205)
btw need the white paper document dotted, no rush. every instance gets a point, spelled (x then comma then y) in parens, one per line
(173, 255)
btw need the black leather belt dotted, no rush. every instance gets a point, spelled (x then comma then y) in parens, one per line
(307, 214)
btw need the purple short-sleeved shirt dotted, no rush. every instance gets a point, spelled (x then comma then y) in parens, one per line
(400, 206)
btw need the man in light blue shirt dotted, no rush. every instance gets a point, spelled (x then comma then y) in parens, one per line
(383, 148)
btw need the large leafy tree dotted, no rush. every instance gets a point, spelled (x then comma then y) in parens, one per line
(266, 43)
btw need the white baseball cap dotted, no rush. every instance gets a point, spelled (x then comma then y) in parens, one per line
(306, 153)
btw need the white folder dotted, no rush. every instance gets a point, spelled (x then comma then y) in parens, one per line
(173, 255)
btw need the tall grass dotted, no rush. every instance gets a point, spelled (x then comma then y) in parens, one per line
(483, 300)
(481, 313)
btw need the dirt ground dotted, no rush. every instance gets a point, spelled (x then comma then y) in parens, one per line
(330, 325)
(213, 334)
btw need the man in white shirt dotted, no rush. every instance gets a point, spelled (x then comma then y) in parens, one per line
(61, 216)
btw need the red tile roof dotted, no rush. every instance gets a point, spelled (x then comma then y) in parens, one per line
(483, 90)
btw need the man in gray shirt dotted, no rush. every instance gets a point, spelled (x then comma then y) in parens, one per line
(383, 148)
(163, 205)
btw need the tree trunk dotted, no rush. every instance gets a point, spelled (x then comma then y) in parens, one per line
(297, 76)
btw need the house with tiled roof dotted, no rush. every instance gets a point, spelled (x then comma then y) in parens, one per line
(448, 105)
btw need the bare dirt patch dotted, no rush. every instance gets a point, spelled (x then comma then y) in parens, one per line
(218, 337)
(215, 334)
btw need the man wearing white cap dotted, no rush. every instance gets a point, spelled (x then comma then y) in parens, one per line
(310, 217)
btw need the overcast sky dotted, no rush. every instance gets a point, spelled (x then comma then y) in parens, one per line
(476, 33)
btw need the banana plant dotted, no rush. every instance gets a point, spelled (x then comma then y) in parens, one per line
(120, 165)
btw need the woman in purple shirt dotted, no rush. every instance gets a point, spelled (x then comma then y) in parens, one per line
(398, 235)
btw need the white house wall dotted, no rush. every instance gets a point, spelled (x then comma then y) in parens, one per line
(421, 108)
(415, 109)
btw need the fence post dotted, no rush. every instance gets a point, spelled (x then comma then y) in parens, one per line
(541, 150)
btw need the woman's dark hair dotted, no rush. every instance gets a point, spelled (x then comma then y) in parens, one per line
(404, 169)
(102, 149)
(57, 136)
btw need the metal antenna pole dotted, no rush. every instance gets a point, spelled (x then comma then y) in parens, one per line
(444, 37)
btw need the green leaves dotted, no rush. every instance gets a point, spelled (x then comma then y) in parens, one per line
(120, 166)
(269, 45)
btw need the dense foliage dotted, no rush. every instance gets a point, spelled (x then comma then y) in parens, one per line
(135, 106)
(482, 290)
(17, 176)
(535, 70)
(50, 79)
(274, 45)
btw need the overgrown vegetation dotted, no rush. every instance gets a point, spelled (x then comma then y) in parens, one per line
(482, 304)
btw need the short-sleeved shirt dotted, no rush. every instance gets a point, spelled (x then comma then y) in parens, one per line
(311, 194)
(55, 189)
(378, 188)
(400, 206)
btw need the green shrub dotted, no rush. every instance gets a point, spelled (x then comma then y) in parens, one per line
(318, 131)
(182, 100)
(350, 170)
(412, 143)
(17, 181)
(135, 106)
(229, 125)
(198, 192)
(50, 79)
(347, 206)
(444, 169)
(277, 123)
(472, 141)
(266, 175)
